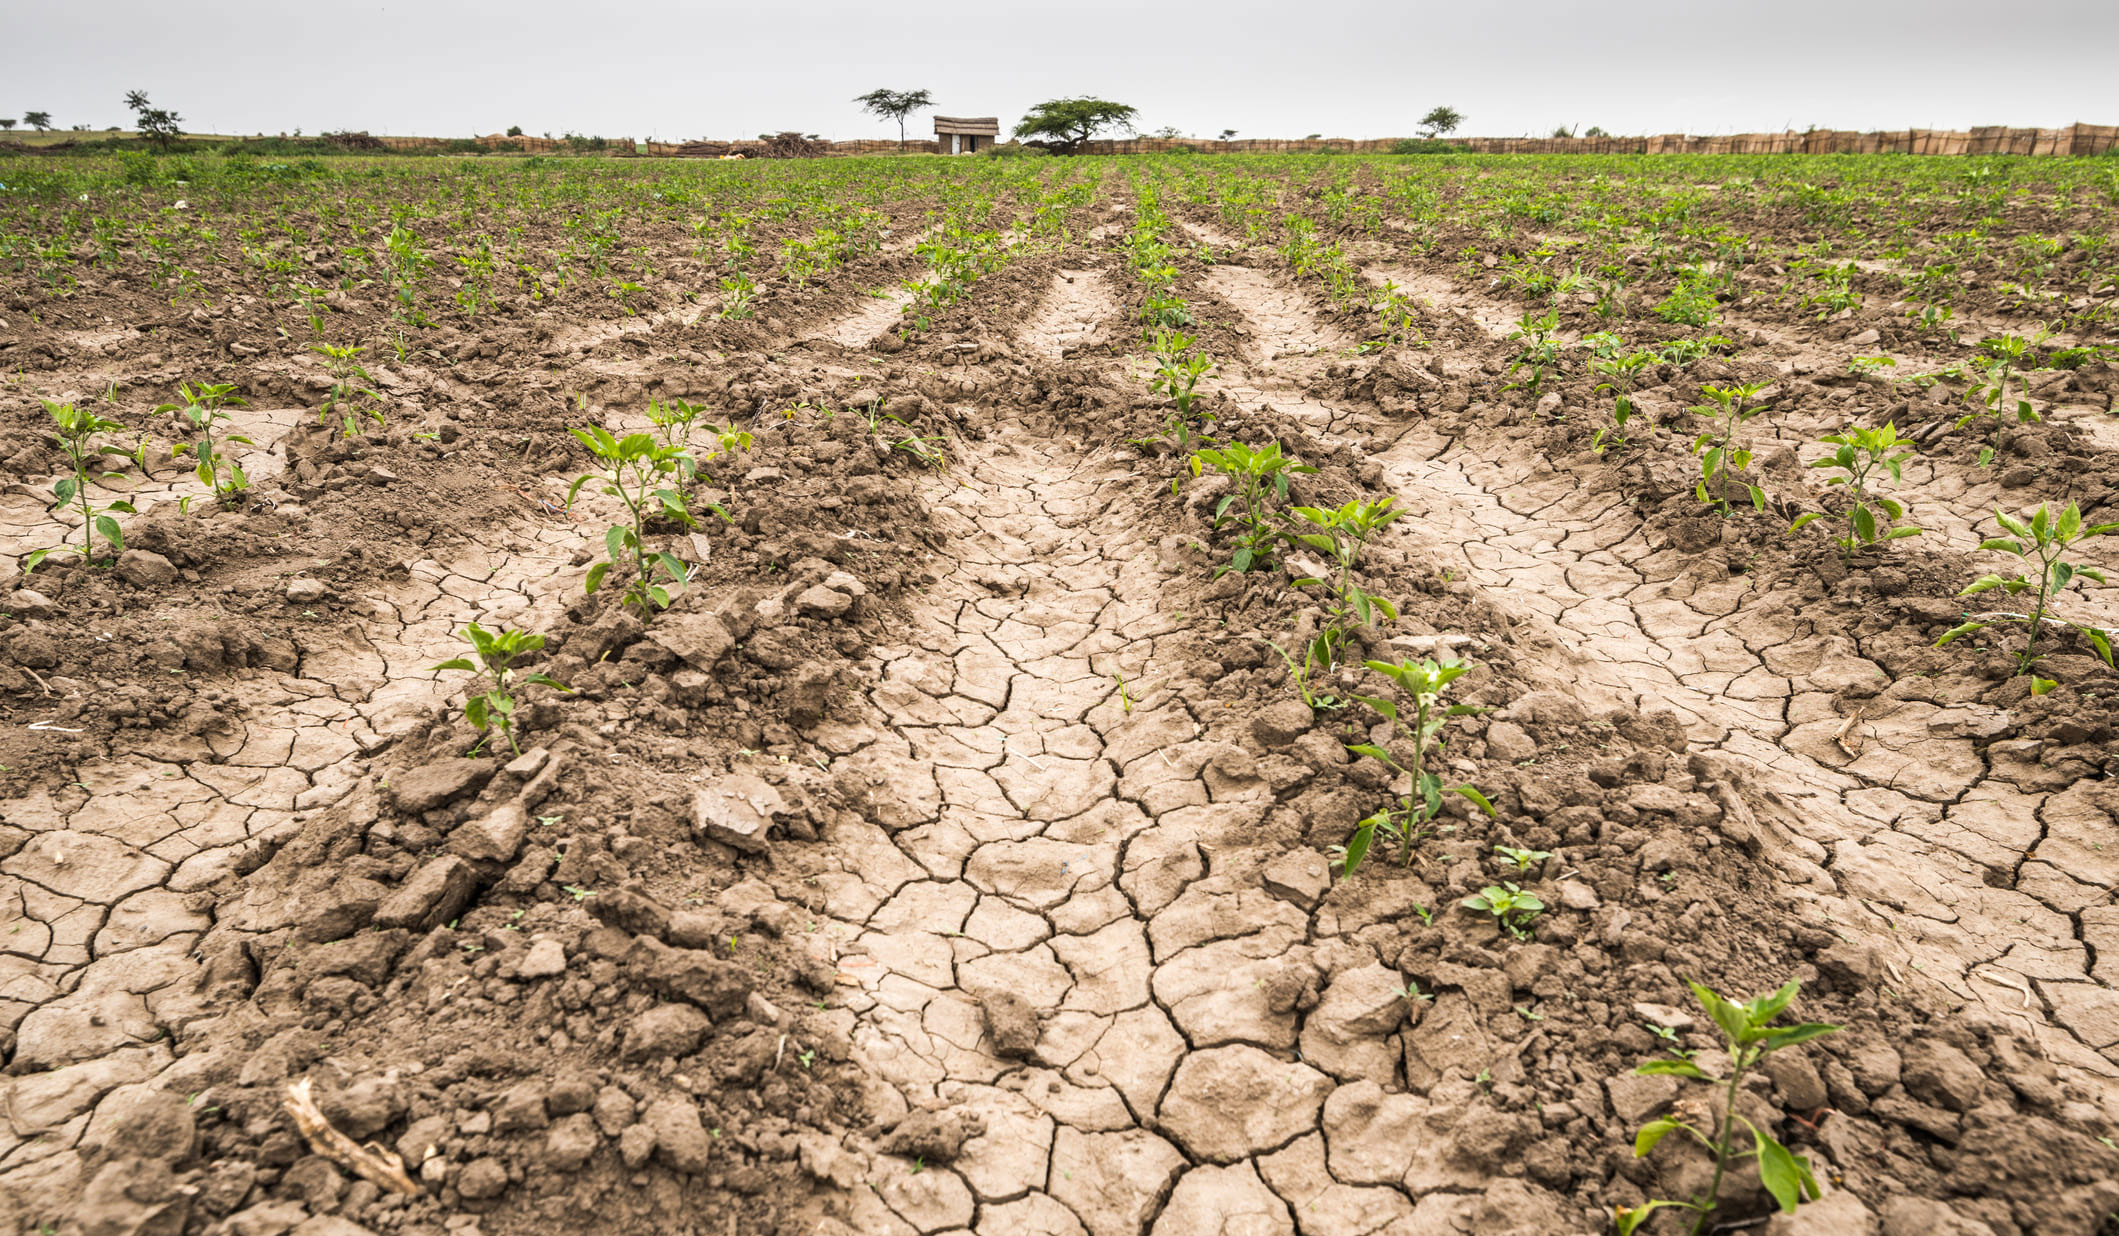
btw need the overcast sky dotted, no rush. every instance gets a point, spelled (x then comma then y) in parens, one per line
(1350, 68)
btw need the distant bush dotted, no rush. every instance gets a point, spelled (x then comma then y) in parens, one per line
(1015, 150)
(138, 167)
(1426, 145)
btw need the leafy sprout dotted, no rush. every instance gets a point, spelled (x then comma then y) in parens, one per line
(1858, 454)
(493, 656)
(2038, 543)
(1425, 682)
(1748, 1033)
(75, 427)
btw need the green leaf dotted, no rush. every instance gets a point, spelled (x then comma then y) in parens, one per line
(2098, 641)
(111, 532)
(1779, 1172)
(476, 712)
(456, 663)
(1357, 848)
(1670, 1068)
(1864, 523)
(1804, 519)
(1788, 1036)
(1728, 1016)
(1651, 1133)
(596, 574)
(1372, 751)
(1961, 629)
(1476, 797)
(1629, 1218)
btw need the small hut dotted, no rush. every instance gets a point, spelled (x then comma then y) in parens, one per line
(962, 135)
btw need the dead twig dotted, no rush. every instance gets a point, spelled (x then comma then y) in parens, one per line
(371, 1162)
(1846, 728)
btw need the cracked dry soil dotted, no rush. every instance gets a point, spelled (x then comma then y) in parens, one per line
(954, 858)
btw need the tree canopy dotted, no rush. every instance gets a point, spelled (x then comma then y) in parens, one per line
(40, 121)
(156, 124)
(1070, 122)
(895, 105)
(1442, 120)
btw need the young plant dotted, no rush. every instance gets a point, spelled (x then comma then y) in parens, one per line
(1513, 908)
(1620, 374)
(1343, 533)
(1750, 1037)
(1540, 350)
(1991, 391)
(1522, 860)
(2039, 544)
(1718, 453)
(737, 292)
(1257, 472)
(1860, 452)
(638, 471)
(1425, 682)
(206, 408)
(493, 655)
(347, 400)
(1178, 370)
(75, 426)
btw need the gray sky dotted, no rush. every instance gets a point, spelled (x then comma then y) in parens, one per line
(1351, 68)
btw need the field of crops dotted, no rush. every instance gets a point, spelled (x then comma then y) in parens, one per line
(1059, 697)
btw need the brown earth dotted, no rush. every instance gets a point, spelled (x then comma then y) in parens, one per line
(953, 856)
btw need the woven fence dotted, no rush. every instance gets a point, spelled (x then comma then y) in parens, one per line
(2075, 140)
(2081, 139)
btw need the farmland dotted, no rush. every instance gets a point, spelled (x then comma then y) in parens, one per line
(1130, 697)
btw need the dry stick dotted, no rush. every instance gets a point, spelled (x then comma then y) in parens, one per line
(371, 1162)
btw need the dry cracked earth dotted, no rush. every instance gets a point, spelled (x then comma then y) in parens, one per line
(1071, 972)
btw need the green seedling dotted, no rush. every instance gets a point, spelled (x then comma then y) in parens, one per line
(1425, 682)
(1750, 1038)
(1991, 391)
(737, 292)
(1620, 374)
(493, 656)
(1717, 449)
(347, 399)
(206, 408)
(1513, 908)
(1858, 453)
(2038, 544)
(74, 427)
(1540, 350)
(1258, 472)
(639, 472)
(1343, 533)
(1523, 860)
(1316, 661)
(1178, 370)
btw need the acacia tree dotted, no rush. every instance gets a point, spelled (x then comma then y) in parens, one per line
(40, 121)
(156, 124)
(1070, 122)
(7, 122)
(1440, 121)
(895, 105)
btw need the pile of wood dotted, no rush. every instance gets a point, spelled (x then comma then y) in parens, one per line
(355, 141)
(788, 145)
